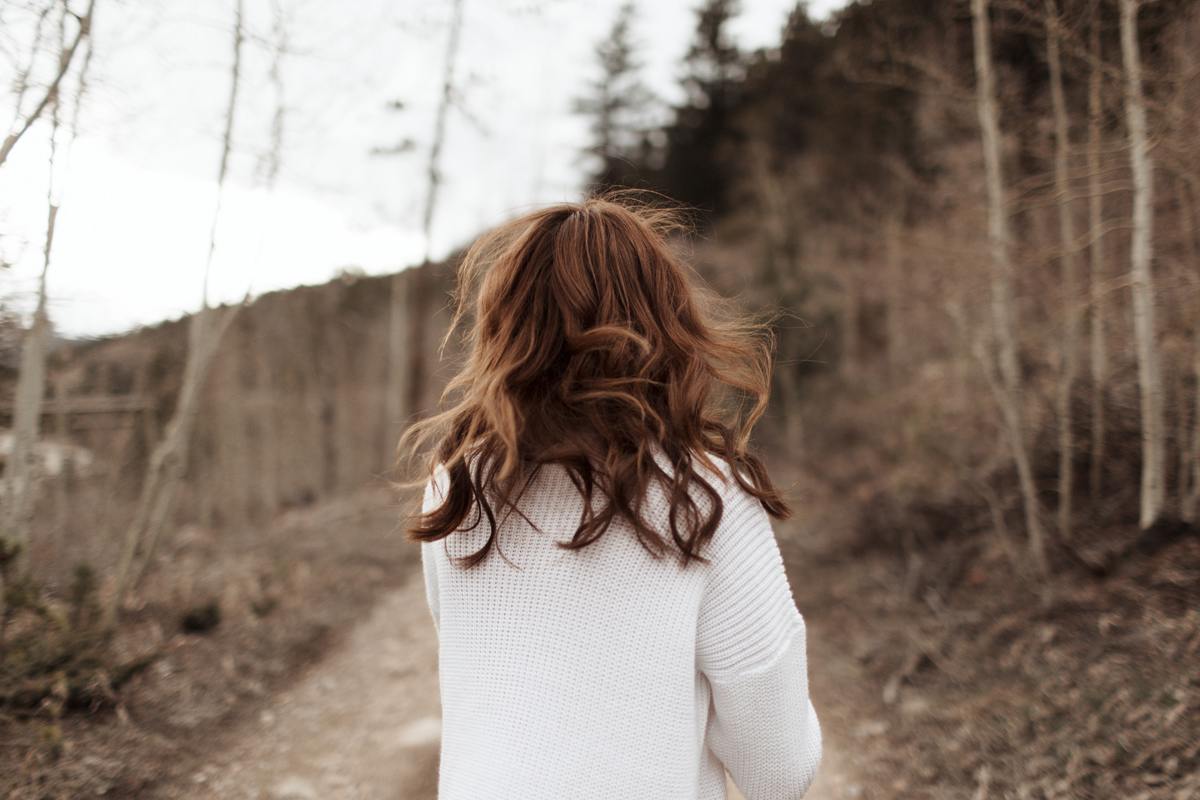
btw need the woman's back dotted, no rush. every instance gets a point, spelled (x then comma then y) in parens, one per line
(611, 673)
(614, 617)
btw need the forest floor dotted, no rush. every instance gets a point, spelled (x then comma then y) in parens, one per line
(963, 682)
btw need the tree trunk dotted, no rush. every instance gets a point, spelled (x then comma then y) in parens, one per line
(897, 338)
(1001, 282)
(410, 296)
(64, 480)
(851, 325)
(168, 461)
(1153, 490)
(1066, 228)
(267, 409)
(1099, 297)
(396, 402)
(19, 473)
(164, 474)
(417, 294)
(16, 515)
(1189, 501)
(793, 416)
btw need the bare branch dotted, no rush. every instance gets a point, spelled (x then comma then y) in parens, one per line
(226, 140)
(64, 64)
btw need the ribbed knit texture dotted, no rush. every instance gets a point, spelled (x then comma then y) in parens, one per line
(607, 673)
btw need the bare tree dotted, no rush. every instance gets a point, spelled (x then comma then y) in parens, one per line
(396, 402)
(617, 104)
(1153, 489)
(1098, 295)
(1189, 501)
(66, 55)
(406, 330)
(1066, 228)
(1001, 281)
(16, 514)
(207, 327)
(266, 409)
(781, 242)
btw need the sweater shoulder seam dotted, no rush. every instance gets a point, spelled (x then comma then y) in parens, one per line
(795, 629)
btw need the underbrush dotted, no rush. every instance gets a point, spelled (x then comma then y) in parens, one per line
(981, 678)
(224, 622)
(1086, 687)
(54, 654)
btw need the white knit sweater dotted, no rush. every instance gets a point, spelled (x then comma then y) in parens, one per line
(607, 673)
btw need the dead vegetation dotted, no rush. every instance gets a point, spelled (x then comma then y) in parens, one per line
(284, 595)
(983, 635)
(977, 688)
(291, 430)
(964, 674)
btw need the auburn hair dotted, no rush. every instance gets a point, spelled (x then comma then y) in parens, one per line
(591, 345)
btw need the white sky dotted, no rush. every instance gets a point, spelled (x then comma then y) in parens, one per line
(138, 192)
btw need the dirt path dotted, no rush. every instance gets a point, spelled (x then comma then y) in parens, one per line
(364, 724)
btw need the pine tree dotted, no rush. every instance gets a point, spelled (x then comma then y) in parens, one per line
(619, 107)
(696, 168)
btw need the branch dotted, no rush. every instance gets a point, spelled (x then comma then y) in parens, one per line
(64, 64)
(226, 140)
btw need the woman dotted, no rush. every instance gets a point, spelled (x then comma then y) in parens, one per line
(612, 609)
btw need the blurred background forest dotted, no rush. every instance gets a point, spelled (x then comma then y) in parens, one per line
(981, 221)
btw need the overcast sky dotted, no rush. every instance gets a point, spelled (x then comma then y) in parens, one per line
(138, 191)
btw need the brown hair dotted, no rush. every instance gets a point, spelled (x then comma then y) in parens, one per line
(590, 347)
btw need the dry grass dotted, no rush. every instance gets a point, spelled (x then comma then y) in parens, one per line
(990, 693)
(953, 675)
(287, 593)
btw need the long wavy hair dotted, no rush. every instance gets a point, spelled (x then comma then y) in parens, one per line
(591, 345)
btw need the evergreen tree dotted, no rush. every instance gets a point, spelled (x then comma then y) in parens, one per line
(619, 106)
(713, 63)
(696, 166)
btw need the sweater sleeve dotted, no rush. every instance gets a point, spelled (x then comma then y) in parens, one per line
(751, 647)
(433, 493)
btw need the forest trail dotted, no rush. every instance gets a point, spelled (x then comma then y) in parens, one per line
(364, 724)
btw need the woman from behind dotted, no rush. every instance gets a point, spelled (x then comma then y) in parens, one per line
(613, 615)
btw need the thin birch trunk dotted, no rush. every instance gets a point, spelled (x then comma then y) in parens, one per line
(1153, 490)
(66, 475)
(411, 297)
(266, 407)
(168, 461)
(206, 333)
(268, 410)
(972, 343)
(1099, 298)
(897, 344)
(1066, 227)
(395, 404)
(1182, 439)
(1189, 501)
(1001, 282)
(16, 515)
(851, 314)
(226, 140)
